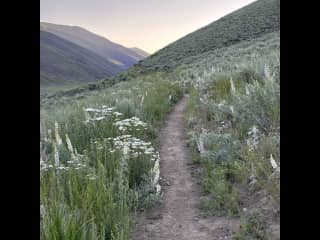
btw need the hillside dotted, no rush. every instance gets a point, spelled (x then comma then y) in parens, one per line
(252, 21)
(258, 19)
(140, 52)
(63, 63)
(115, 53)
(196, 148)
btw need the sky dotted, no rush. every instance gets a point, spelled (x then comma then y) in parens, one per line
(146, 24)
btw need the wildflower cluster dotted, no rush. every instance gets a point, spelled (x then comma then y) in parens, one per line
(76, 160)
(102, 113)
(136, 146)
(133, 123)
(132, 147)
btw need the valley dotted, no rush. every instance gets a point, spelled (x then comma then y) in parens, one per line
(73, 56)
(182, 144)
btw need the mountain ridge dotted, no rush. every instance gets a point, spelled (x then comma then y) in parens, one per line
(62, 62)
(100, 45)
(73, 55)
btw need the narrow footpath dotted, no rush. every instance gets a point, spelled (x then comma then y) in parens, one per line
(177, 216)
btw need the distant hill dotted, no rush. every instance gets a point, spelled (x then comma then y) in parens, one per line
(64, 63)
(140, 52)
(252, 21)
(71, 55)
(115, 53)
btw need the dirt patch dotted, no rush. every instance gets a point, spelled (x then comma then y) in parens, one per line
(260, 202)
(177, 214)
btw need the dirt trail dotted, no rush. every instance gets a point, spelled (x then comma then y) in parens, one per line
(177, 216)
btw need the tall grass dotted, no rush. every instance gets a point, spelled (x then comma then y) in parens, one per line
(98, 149)
(98, 159)
(233, 121)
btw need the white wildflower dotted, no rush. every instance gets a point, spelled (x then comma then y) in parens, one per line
(267, 72)
(99, 118)
(124, 124)
(100, 113)
(231, 109)
(200, 145)
(43, 166)
(61, 167)
(90, 110)
(221, 104)
(121, 128)
(49, 135)
(42, 210)
(253, 139)
(92, 177)
(58, 138)
(69, 145)
(56, 155)
(73, 152)
(273, 162)
(126, 149)
(135, 154)
(254, 130)
(156, 173)
(158, 189)
(247, 90)
(117, 113)
(233, 89)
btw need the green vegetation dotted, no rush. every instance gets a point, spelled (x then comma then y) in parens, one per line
(233, 119)
(252, 21)
(233, 123)
(62, 94)
(98, 143)
(99, 161)
(253, 228)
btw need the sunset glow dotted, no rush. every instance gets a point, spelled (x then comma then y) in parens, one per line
(147, 24)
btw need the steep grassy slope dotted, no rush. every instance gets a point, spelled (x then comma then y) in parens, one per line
(119, 55)
(63, 63)
(254, 20)
(232, 121)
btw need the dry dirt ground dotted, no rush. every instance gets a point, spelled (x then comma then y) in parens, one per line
(177, 215)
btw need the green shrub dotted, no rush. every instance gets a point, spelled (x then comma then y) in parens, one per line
(252, 227)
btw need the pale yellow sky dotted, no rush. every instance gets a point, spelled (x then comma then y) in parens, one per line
(146, 24)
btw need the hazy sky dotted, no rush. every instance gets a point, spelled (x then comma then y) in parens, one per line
(147, 24)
